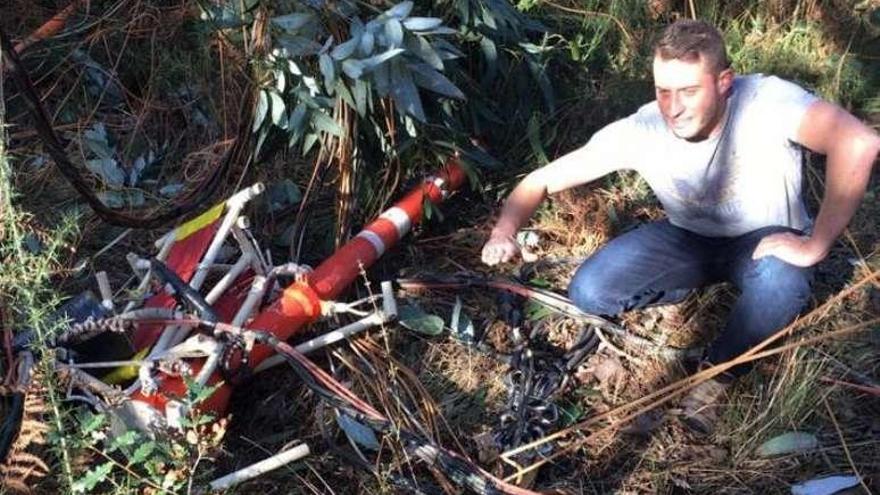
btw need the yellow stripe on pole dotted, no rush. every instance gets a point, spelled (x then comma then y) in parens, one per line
(199, 222)
(127, 373)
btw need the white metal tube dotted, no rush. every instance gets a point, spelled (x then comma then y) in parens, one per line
(258, 288)
(244, 242)
(243, 262)
(326, 339)
(104, 290)
(262, 467)
(234, 206)
(209, 367)
(341, 333)
(172, 335)
(167, 242)
(389, 304)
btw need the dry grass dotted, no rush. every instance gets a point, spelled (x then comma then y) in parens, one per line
(462, 392)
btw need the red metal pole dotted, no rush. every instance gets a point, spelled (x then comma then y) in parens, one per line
(300, 304)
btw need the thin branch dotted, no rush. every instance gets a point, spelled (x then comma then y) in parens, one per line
(845, 446)
(592, 13)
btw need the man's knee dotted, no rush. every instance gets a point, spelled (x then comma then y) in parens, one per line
(590, 290)
(777, 282)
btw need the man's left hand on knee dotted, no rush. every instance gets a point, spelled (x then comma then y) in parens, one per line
(798, 250)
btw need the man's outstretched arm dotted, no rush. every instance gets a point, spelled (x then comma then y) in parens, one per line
(573, 169)
(851, 148)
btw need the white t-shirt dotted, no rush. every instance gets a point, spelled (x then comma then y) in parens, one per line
(745, 178)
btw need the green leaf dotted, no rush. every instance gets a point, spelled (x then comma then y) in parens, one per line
(788, 443)
(225, 17)
(422, 23)
(376, 60)
(91, 479)
(571, 413)
(261, 110)
(127, 439)
(282, 195)
(382, 80)
(171, 190)
(404, 92)
(309, 142)
(142, 452)
(536, 311)
(489, 18)
(280, 80)
(394, 33)
(196, 393)
(358, 432)
(312, 84)
(535, 49)
(299, 46)
(326, 123)
(112, 199)
(413, 318)
(490, 55)
(367, 42)
(292, 22)
(344, 93)
(361, 90)
(91, 422)
(345, 50)
(430, 209)
(353, 68)
(295, 123)
(410, 125)
(430, 79)
(108, 170)
(399, 11)
(327, 70)
(96, 140)
(446, 50)
(424, 51)
(539, 72)
(278, 108)
(534, 134)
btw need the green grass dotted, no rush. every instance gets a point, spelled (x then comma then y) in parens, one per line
(27, 266)
(600, 63)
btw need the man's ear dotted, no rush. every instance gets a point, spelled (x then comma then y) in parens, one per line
(725, 81)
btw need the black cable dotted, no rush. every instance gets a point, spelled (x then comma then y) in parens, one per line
(183, 290)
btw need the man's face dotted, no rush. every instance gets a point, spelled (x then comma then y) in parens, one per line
(691, 96)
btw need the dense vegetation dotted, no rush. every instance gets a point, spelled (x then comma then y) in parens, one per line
(338, 106)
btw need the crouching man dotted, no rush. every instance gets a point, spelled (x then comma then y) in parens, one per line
(722, 153)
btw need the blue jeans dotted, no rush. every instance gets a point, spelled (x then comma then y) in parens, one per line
(659, 263)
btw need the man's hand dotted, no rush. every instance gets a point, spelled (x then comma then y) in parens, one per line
(500, 249)
(791, 248)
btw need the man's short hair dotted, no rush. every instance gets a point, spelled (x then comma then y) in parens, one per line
(692, 41)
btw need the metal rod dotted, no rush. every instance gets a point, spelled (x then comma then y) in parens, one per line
(326, 339)
(243, 262)
(262, 467)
